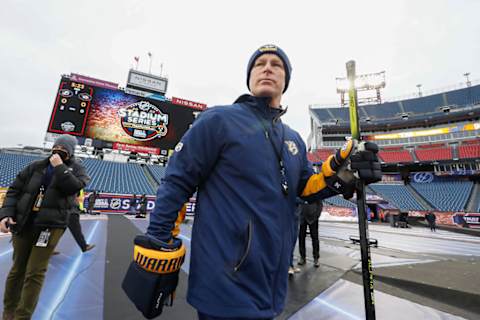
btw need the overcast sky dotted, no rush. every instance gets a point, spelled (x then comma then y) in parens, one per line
(205, 46)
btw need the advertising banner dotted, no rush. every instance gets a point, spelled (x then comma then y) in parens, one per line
(426, 133)
(467, 220)
(140, 149)
(120, 203)
(188, 103)
(94, 82)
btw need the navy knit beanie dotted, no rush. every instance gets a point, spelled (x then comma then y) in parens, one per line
(272, 49)
(68, 142)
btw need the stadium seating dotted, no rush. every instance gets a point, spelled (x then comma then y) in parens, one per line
(341, 114)
(323, 115)
(398, 195)
(427, 104)
(158, 172)
(11, 164)
(395, 155)
(464, 97)
(340, 202)
(113, 177)
(469, 149)
(383, 111)
(117, 177)
(433, 152)
(445, 195)
(416, 107)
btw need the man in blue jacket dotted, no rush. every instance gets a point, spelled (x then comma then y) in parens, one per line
(248, 168)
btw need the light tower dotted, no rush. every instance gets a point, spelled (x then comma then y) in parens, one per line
(363, 83)
(466, 75)
(419, 87)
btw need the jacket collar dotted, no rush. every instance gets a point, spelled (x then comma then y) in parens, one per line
(261, 104)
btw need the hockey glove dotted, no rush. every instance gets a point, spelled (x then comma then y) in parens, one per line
(366, 163)
(152, 277)
(353, 161)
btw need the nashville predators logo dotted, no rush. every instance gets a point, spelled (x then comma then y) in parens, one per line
(292, 147)
(268, 48)
(179, 147)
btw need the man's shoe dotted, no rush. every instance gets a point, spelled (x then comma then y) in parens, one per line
(296, 269)
(291, 271)
(301, 262)
(89, 247)
(316, 263)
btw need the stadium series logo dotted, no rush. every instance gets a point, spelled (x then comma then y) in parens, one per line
(143, 121)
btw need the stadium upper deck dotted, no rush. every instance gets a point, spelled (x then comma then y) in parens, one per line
(441, 119)
(456, 105)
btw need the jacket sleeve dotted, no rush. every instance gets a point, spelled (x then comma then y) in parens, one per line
(190, 165)
(312, 186)
(14, 192)
(70, 181)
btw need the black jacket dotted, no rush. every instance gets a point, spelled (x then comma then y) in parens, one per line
(59, 199)
(310, 212)
(430, 218)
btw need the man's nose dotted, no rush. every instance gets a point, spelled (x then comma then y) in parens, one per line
(267, 67)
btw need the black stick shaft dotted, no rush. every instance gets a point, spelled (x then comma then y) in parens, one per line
(367, 272)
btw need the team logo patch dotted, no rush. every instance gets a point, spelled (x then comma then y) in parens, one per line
(178, 147)
(268, 47)
(292, 147)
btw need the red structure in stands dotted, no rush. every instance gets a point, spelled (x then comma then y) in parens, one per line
(395, 155)
(433, 152)
(469, 149)
(319, 155)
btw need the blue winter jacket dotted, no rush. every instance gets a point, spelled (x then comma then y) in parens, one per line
(244, 226)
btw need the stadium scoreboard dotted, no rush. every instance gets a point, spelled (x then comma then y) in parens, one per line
(115, 117)
(71, 108)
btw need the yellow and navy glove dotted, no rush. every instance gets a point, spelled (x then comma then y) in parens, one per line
(152, 276)
(336, 173)
(353, 161)
(332, 176)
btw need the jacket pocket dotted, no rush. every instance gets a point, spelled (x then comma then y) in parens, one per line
(247, 247)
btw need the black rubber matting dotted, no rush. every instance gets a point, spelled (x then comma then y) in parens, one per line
(118, 257)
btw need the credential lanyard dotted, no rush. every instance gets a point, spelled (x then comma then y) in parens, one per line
(278, 154)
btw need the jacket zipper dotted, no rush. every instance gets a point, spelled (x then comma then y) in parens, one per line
(247, 249)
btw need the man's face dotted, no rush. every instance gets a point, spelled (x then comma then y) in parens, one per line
(61, 151)
(267, 78)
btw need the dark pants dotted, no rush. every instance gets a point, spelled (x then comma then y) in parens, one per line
(25, 280)
(76, 230)
(202, 316)
(313, 234)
